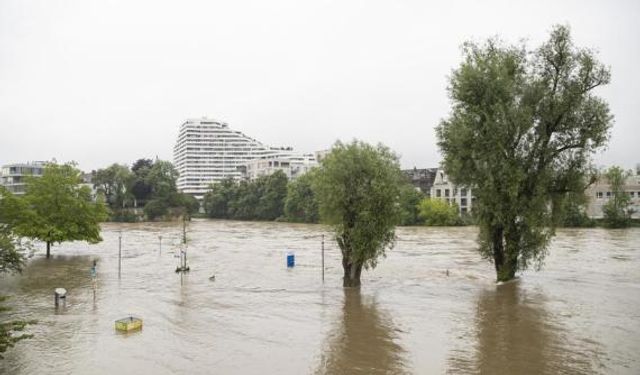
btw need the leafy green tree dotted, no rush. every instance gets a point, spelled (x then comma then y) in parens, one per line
(162, 178)
(301, 204)
(436, 212)
(246, 198)
(140, 188)
(410, 198)
(115, 183)
(11, 260)
(358, 188)
(11, 209)
(522, 131)
(59, 208)
(216, 200)
(156, 208)
(272, 191)
(573, 212)
(617, 211)
(188, 203)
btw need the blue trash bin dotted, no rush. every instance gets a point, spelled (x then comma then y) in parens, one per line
(291, 260)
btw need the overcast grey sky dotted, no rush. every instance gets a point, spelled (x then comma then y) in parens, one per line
(110, 81)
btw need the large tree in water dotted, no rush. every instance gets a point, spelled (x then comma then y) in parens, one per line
(522, 131)
(59, 208)
(358, 188)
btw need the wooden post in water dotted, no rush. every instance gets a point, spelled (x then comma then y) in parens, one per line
(323, 257)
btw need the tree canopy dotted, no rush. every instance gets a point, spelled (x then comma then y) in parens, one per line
(358, 188)
(58, 208)
(617, 211)
(261, 199)
(437, 212)
(301, 204)
(11, 260)
(522, 130)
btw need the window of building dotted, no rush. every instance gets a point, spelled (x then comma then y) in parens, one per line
(438, 193)
(463, 192)
(608, 194)
(463, 202)
(446, 192)
(599, 195)
(463, 210)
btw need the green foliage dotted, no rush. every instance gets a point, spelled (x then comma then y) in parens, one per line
(358, 189)
(272, 192)
(140, 188)
(522, 131)
(156, 208)
(11, 260)
(148, 184)
(301, 205)
(617, 211)
(437, 212)
(162, 179)
(189, 203)
(572, 212)
(262, 199)
(216, 200)
(410, 198)
(58, 208)
(114, 183)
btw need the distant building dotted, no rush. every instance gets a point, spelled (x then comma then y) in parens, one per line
(293, 166)
(422, 178)
(13, 176)
(600, 192)
(208, 151)
(444, 189)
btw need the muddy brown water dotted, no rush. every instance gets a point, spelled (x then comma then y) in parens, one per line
(579, 315)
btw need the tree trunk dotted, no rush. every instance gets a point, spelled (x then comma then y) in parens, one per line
(505, 265)
(352, 273)
(48, 249)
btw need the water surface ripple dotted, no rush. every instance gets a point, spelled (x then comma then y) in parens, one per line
(579, 315)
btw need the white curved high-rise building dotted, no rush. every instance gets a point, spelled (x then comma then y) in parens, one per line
(208, 151)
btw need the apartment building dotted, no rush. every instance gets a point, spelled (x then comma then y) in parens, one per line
(13, 176)
(293, 166)
(444, 189)
(421, 178)
(600, 192)
(208, 151)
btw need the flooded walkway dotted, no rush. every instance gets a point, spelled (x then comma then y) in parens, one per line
(580, 314)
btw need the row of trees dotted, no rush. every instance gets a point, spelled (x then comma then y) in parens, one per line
(273, 197)
(149, 184)
(523, 127)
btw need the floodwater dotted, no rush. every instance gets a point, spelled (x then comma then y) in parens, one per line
(579, 315)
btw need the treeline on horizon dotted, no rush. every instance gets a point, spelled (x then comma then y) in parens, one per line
(273, 197)
(148, 184)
